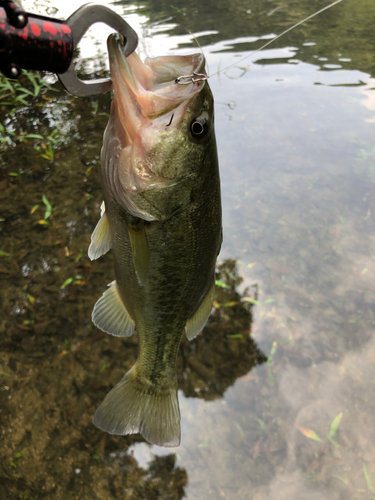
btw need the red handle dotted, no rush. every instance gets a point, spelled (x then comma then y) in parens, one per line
(44, 44)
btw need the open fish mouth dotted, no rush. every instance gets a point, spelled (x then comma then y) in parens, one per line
(148, 91)
(149, 124)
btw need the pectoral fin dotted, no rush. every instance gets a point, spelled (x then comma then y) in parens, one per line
(101, 237)
(110, 314)
(195, 324)
(139, 244)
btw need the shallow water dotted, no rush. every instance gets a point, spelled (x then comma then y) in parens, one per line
(295, 127)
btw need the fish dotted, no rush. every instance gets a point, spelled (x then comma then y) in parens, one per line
(161, 217)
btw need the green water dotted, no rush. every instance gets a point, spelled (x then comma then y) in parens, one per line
(295, 127)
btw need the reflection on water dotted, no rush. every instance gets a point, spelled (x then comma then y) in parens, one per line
(296, 144)
(215, 360)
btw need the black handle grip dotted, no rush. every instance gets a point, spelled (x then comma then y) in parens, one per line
(44, 44)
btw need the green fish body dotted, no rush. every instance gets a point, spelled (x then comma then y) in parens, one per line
(162, 219)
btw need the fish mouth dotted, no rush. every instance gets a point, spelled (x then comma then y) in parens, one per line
(148, 115)
(146, 92)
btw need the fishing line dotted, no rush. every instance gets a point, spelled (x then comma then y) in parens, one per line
(200, 48)
(278, 36)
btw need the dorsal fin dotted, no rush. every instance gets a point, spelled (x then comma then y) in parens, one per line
(195, 324)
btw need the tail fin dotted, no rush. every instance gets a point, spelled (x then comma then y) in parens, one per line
(132, 407)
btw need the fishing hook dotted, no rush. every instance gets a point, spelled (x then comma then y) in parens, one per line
(194, 78)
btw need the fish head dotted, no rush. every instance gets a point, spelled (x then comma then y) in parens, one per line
(160, 134)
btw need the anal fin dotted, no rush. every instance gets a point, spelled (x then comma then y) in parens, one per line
(110, 314)
(101, 241)
(195, 324)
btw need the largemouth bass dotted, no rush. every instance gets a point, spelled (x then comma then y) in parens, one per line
(162, 219)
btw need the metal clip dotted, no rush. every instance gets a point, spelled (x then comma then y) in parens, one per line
(194, 78)
(79, 22)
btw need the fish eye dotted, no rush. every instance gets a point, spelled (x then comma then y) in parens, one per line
(198, 128)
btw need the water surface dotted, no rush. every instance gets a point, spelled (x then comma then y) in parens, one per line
(277, 394)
